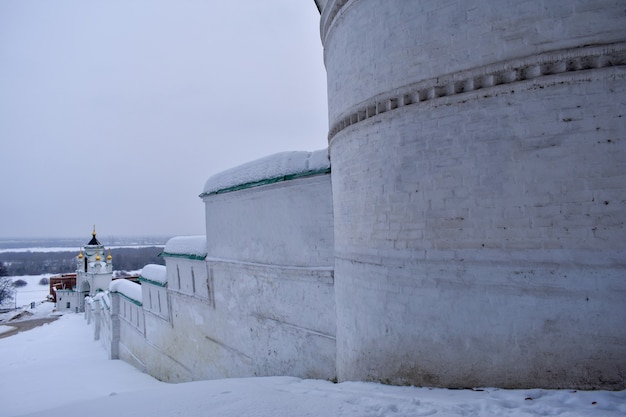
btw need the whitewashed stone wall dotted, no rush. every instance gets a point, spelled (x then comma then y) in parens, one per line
(286, 223)
(98, 313)
(154, 298)
(132, 332)
(128, 314)
(479, 174)
(189, 277)
(228, 316)
(153, 343)
(67, 300)
(270, 264)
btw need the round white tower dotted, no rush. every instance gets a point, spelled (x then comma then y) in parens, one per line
(478, 157)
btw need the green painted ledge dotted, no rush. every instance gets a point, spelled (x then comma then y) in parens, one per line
(183, 255)
(104, 300)
(268, 181)
(149, 281)
(138, 303)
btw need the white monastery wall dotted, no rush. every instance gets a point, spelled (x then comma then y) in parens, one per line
(67, 300)
(153, 343)
(98, 313)
(188, 277)
(241, 334)
(285, 223)
(105, 330)
(478, 161)
(132, 342)
(211, 317)
(154, 298)
(270, 263)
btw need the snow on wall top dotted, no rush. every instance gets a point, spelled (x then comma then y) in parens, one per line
(104, 296)
(194, 246)
(156, 273)
(272, 168)
(126, 287)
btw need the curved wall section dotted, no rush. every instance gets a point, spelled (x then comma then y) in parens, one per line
(374, 46)
(478, 158)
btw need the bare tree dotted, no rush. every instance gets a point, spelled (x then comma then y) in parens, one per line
(7, 290)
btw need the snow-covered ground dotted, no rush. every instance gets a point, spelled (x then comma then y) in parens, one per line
(59, 370)
(31, 292)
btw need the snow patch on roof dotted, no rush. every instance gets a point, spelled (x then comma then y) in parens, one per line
(269, 168)
(126, 287)
(156, 273)
(187, 245)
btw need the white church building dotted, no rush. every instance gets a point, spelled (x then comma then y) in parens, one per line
(94, 273)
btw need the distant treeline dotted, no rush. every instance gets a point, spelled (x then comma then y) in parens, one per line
(35, 263)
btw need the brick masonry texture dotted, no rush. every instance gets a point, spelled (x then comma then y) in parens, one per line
(478, 174)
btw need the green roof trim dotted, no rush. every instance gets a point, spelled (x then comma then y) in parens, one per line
(183, 255)
(138, 303)
(149, 281)
(104, 300)
(267, 181)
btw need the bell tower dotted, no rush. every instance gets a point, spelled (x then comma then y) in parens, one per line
(93, 272)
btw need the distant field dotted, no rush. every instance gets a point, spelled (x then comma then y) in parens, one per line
(31, 292)
(54, 256)
(68, 244)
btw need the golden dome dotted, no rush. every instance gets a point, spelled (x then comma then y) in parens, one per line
(98, 257)
(109, 257)
(80, 255)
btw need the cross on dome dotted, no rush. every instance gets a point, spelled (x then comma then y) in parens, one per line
(93, 240)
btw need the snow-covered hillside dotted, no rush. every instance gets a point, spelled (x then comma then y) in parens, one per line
(58, 370)
(33, 291)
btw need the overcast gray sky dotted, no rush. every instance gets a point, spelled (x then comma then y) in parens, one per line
(115, 112)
